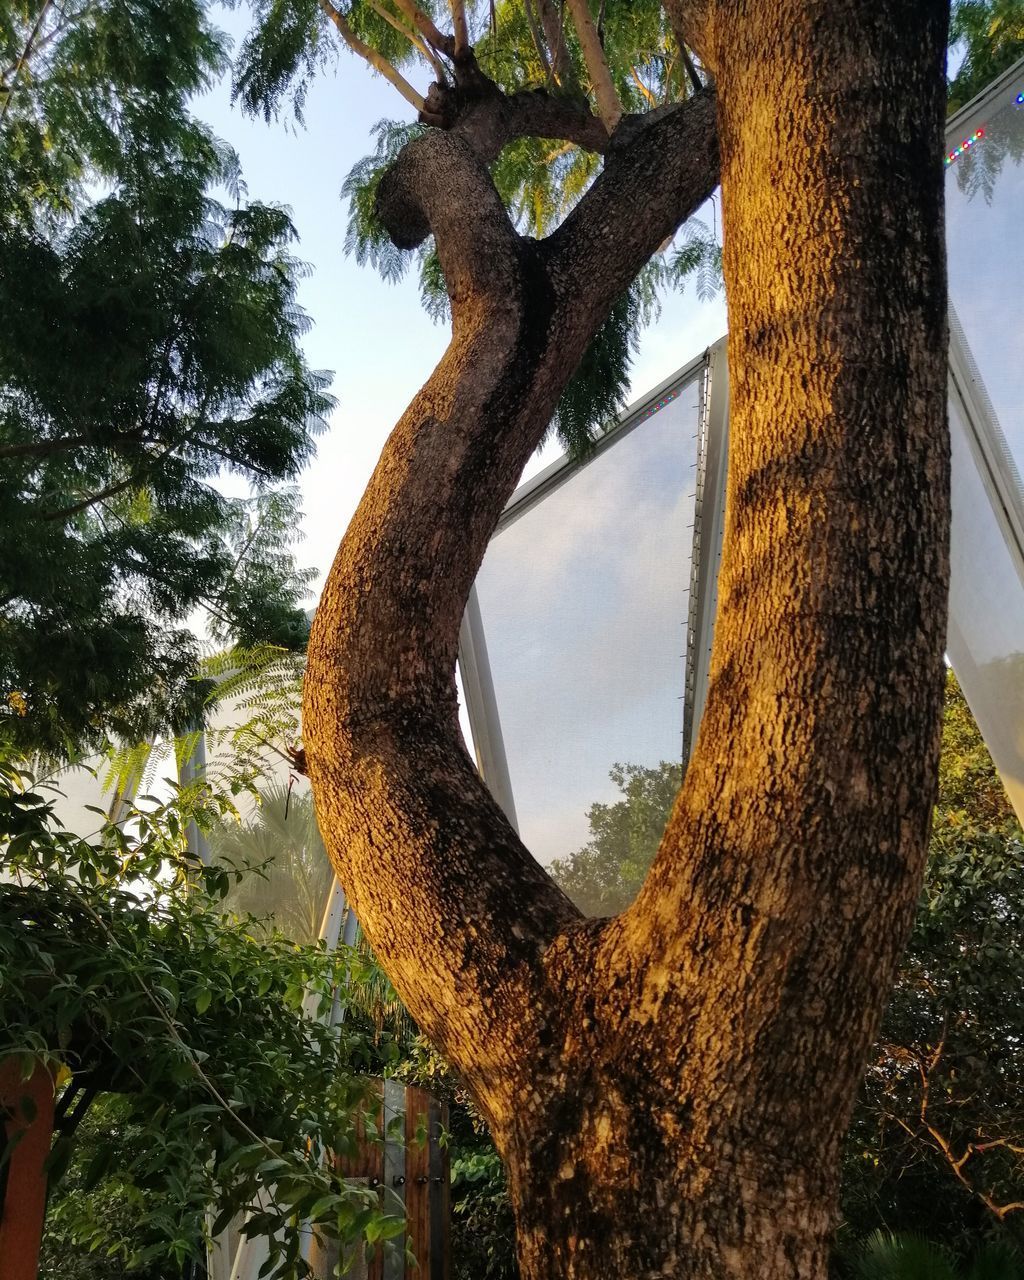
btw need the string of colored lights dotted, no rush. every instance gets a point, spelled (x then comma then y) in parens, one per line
(652, 409)
(976, 136)
(966, 145)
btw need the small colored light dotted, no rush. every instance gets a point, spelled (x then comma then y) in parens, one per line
(1019, 99)
(965, 146)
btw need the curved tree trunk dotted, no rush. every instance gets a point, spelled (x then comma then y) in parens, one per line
(669, 1088)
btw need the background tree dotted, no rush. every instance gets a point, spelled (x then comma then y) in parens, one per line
(604, 876)
(937, 1144)
(152, 344)
(989, 36)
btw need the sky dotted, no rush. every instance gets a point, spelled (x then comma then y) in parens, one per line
(375, 337)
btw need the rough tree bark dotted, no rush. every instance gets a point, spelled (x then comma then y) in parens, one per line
(669, 1088)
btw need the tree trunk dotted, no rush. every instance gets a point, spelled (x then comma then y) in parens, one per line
(669, 1088)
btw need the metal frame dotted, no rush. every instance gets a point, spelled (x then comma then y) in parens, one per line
(482, 709)
(707, 545)
(481, 703)
(992, 456)
(564, 468)
(971, 112)
(996, 467)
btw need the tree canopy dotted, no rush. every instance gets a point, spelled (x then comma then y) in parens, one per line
(152, 347)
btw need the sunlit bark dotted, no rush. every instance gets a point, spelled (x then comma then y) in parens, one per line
(669, 1087)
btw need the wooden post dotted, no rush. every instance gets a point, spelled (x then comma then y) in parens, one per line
(27, 1109)
(416, 1177)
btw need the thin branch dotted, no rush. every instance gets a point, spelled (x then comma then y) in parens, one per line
(59, 27)
(538, 41)
(64, 513)
(554, 33)
(684, 51)
(425, 25)
(691, 70)
(371, 56)
(642, 87)
(412, 37)
(609, 108)
(460, 27)
(26, 53)
(45, 448)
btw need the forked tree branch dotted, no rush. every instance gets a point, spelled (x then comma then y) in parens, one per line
(380, 714)
(415, 40)
(685, 136)
(371, 56)
(425, 25)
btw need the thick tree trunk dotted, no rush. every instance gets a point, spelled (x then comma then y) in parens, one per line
(669, 1088)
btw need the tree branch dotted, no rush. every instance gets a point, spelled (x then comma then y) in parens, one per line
(380, 716)
(692, 26)
(63, 444)
(554, 33)
(375, 60)
(538, 41)
(26, 53)
(608, 105)
(532, 113)
(137, 476)
(695, 80)
(460, 28)
(424, 24)
(672, 13)
(410, 35)
(669, 154)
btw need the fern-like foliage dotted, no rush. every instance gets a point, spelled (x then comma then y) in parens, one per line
(365, 238)
(697, 256)
(595, 394)
(249, 713)
(288, 44)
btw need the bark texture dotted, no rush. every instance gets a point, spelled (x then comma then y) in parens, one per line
(669, 1087)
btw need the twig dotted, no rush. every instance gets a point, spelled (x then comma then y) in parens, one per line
(26, 53)
(413, 38)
